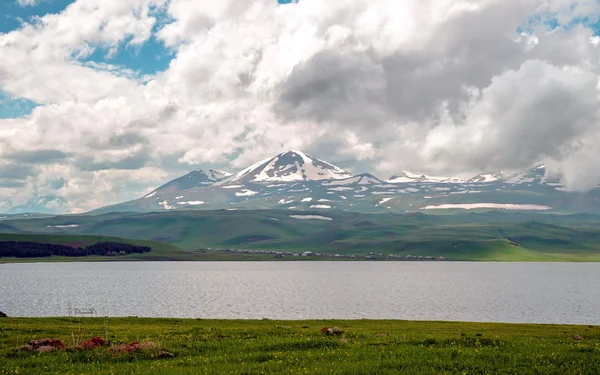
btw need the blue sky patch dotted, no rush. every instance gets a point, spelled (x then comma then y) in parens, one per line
(149, 58)
(14, 107)
(12, 14)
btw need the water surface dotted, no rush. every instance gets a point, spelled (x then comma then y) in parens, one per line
(494, 292)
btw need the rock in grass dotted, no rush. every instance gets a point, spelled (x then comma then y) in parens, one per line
(133, 347)
(2, 315)
(577, 338)
(26, 348)
(55, 343)
(332, 331)
(45, 349)
(165, 355)
(94, 342)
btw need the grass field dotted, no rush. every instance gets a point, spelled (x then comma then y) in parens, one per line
(291, 347)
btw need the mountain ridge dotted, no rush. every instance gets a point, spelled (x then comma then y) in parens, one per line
(294, 180)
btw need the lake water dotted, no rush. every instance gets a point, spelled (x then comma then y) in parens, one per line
(494, 292)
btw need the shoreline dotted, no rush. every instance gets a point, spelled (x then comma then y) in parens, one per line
(100, 318)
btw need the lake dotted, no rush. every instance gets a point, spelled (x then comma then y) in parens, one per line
(458, 291)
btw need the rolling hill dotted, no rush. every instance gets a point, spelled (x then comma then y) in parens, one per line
(475, 236)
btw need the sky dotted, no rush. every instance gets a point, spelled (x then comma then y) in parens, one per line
(101, 101)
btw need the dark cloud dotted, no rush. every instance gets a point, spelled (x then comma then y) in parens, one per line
(38, 157)
(359, 88)
(333, 86)
(16, 171)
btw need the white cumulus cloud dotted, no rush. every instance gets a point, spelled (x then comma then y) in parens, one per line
(440, 86)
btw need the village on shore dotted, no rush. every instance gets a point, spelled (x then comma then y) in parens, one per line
(371, 256)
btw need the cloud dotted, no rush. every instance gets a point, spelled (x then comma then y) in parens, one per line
(444, 86)
(37, 157)
(27, 3)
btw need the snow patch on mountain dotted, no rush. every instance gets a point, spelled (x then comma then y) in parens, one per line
(311, 217)
(340, 189)
(384, 200)
(501, 206)
(166, 205)
(191, 203)
(406, 177)
(487, 177)
(246, 193)
(361, 179)
(320, 206)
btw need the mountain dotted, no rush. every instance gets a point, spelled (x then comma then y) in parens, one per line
(287, 167)
(361, 179)
(406, 176)
(536, 175)
(197, 178)
(295, 181)
(488, 177)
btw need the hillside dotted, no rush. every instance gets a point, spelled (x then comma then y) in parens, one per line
(476, 236)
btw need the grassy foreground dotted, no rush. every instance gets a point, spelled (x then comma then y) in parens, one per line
(266, 346)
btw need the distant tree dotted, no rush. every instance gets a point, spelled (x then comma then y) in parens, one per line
(24, 249)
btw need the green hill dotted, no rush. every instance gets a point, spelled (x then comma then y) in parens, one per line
(474, 236)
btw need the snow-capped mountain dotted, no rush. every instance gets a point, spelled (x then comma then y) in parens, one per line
(287, 167)
(406, 176)
(536, 175)
(361, 179)
(488, 177)
(295, 181)
(195, 179)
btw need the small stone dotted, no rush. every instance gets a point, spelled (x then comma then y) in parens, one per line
(381, 335)
(577, 338)
(344, 341)
(26, 348)
(45, 349)
(337, 331)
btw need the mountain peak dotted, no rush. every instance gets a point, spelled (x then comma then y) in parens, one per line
(288, 166)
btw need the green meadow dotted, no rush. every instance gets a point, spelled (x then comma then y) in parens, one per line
(185, 235)
(298, 347)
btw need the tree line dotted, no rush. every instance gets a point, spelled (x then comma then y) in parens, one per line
(22, 249)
